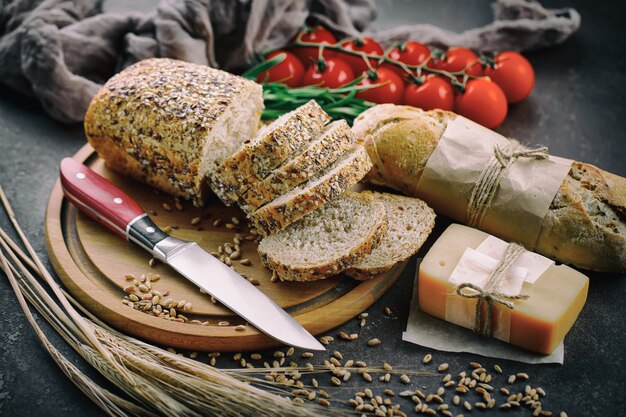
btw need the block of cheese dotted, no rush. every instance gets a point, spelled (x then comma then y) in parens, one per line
(538, 323)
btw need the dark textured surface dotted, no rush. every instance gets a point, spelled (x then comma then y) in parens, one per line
(577, 109)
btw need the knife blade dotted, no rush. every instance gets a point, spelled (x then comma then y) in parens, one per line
(103, 201)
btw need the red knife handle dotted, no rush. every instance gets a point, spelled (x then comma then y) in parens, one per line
(103, 201)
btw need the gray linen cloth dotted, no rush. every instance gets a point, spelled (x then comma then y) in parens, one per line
(61, 51)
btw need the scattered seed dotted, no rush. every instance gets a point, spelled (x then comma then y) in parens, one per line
(373, 342)
(223, 323)
(441, 391)
(427, 358)
(167, 207)
(467, 405)
(387, 311)
(443, 367)
(511, 379)
(193, 355)
(405, 379)
(497, 368)
(240, 327)
(522, 375)
(367, 377)
(245, 262)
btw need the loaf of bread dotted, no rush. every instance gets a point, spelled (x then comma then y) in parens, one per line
(327, 185)
(274, 144)
(170, 123)
(409, 222)
(326, 148)
(326, 241)
(585, 225)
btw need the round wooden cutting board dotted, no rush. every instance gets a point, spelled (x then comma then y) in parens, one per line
(93, 262)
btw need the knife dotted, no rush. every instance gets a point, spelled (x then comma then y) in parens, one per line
(107, 204)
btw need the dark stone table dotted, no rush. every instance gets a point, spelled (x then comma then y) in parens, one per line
(577, 109)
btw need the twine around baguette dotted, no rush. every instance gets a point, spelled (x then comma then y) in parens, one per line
(490, 293)
(487, 183)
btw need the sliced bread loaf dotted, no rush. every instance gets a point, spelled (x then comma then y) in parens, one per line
(272, 145)
(170, 123)
(323, 187)
(327, 241)
(410, 221)
(335, 139)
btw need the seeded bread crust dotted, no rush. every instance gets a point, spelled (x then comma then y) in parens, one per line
(342, 260)
(155, 120)
(325, 186)
(410, 222)
(273, 144)
(585, 225)
(336, 139)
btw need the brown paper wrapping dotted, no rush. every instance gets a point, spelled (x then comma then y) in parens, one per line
(522, 199)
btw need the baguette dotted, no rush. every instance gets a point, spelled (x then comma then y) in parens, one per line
(170, 123)
(585, 225)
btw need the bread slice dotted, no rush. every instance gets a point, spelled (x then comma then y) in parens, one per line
(169, 123)
(410, 221)
(327, 241)
(322, 151)
(326, 185)
(273, 144)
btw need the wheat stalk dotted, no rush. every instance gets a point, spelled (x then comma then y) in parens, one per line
(156, 381)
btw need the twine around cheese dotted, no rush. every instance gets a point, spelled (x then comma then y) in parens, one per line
(490, 293)
(486, 185)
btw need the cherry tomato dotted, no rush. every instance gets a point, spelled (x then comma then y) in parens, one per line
(410, 53)
(390, 92)
(331, 73)
(434, 93)
(367, 46)
(459, 59)
(289, 72)
(514, 74)
(483, 102)
(319, 35)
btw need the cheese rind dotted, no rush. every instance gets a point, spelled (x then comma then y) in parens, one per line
(538, 323)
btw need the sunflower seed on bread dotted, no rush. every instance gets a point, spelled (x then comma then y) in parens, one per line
(309, 196)
(169, 123)
(410, 221)
(327, 241)
(272, 145)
